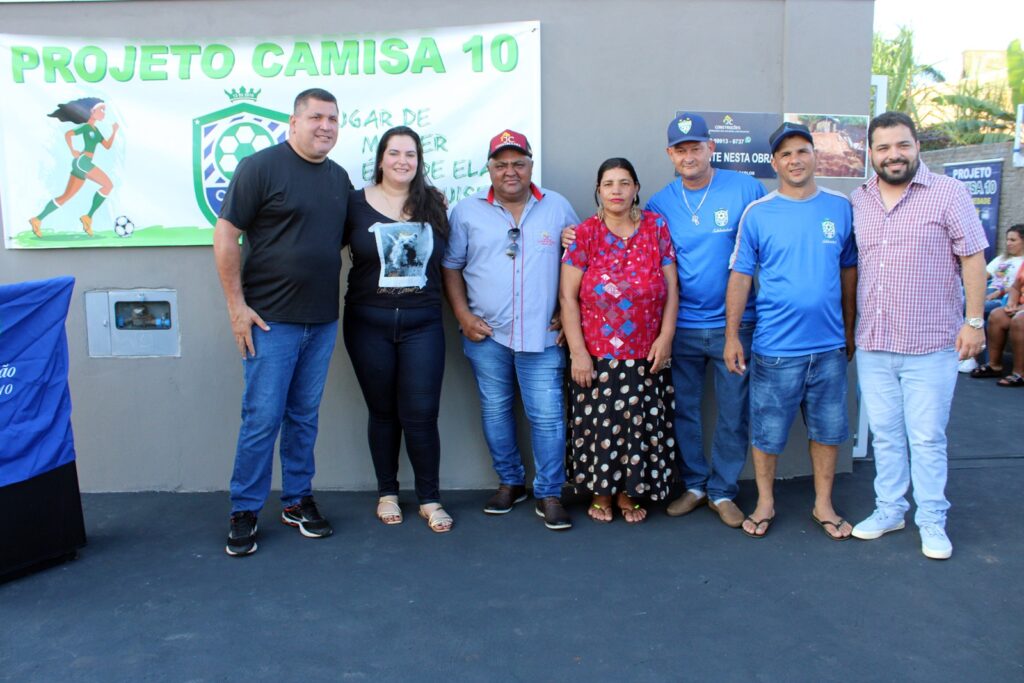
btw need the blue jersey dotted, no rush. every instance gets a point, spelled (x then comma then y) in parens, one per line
(703, 248)
(799, 247)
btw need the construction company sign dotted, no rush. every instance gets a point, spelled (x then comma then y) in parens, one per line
(109, 143)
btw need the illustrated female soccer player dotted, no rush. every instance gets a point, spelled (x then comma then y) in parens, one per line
(87, 112)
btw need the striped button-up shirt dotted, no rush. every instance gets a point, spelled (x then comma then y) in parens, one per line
(909, 290)
(515, 296)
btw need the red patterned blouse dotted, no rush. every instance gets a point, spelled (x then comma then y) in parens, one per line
(623, 289)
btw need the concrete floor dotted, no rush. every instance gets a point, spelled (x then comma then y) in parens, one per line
(153, 597)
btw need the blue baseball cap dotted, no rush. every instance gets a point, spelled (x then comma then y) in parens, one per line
(789, 129)
(687, 127)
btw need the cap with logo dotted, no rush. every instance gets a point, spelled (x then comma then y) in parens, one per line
(789, 129)
(687, 127)
(509, 139)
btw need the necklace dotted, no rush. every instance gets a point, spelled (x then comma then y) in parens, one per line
(387, 199)
(693, 212)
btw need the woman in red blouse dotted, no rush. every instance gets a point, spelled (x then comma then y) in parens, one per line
(619, 295)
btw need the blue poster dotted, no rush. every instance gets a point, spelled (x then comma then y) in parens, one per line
(741, 140)
(35, 404)
(984, 180)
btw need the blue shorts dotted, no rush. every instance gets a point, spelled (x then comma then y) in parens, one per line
(815, 383)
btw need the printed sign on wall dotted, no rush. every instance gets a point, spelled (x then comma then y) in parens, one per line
(116, 142)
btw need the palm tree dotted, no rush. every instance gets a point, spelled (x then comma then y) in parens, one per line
(894, 58)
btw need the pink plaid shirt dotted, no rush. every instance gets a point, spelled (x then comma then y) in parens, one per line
(909, 289)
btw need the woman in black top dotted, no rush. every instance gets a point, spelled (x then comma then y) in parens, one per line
(396, 232)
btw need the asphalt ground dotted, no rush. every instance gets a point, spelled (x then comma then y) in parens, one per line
(153, 596)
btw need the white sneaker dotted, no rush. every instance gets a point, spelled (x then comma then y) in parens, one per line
(877, 525)
(966, 366)
(935, 543)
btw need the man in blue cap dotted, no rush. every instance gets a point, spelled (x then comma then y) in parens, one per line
(703, 208)
(799, 241)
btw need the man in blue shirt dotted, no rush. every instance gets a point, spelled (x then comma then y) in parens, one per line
(703, 208)
(500, 272)
(799, 239)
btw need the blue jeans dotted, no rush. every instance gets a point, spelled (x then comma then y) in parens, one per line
(692, 350)
(398, 358)
(815, 383)
(284, 382)
(540, 377)
(907, 399)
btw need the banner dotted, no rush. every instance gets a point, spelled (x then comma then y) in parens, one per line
(35, 404)
(136, 142)
(984, 180)
(741, 141)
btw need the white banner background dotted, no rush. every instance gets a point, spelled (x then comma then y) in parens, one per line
(489, 83)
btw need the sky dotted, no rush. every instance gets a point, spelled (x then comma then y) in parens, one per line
(943, 29)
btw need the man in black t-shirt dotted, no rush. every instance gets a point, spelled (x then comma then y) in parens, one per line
(281, 285)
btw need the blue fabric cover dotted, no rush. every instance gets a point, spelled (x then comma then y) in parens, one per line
(35, 404)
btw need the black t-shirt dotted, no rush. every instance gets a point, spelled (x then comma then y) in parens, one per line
(293, 214)
(394, 265)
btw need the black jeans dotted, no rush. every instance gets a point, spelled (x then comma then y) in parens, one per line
(398, 357)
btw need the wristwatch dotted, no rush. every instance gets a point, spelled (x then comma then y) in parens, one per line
(976, 323)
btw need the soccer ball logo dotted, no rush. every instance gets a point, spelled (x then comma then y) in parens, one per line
(123, 226)
(238, 142)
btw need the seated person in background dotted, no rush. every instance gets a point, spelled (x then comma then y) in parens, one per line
(1008, 320)
(1001, 271)
(1003, 268)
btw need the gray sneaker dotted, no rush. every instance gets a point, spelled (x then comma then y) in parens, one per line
(877, 525)
(935, 543)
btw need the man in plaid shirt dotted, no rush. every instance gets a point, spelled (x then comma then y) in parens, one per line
(921, 246)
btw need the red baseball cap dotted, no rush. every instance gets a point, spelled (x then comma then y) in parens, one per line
(509, 139)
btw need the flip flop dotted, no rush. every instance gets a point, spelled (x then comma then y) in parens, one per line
(602, 508)
(986, 370)
(824, 524)
(767, 521)
(631, 507)
(388, 511)
(1011, 380)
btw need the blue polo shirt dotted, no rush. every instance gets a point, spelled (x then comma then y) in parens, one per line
(799, 247)
(515, 296)
(703, 250)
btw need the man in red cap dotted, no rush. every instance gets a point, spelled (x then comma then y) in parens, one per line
(501, 275)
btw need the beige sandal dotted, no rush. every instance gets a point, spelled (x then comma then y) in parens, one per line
(388, 510)
(438, 520)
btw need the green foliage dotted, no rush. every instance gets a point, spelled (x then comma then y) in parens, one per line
(894, 58)
(975, 114)
(1015, 72)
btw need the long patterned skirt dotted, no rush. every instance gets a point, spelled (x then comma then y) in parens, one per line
(620, 431)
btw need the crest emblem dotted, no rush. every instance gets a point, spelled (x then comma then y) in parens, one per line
(685, 125)
(828, 228)
(722, 217)
(221, 139)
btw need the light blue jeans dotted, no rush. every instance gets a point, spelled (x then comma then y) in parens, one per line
(284, 382)
(907, 399)
(540, 376)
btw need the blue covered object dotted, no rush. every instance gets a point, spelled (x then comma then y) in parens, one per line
(35, 403)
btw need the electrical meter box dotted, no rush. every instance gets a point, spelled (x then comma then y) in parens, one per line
(132, 323)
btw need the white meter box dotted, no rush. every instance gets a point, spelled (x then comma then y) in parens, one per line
(132, 323)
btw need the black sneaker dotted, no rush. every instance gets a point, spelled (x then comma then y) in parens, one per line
(504, 499)
(242, 537)
(307, 518)
(555, 516)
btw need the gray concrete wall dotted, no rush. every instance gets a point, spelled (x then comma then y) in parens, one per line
(1011, 195)
(613, 75)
